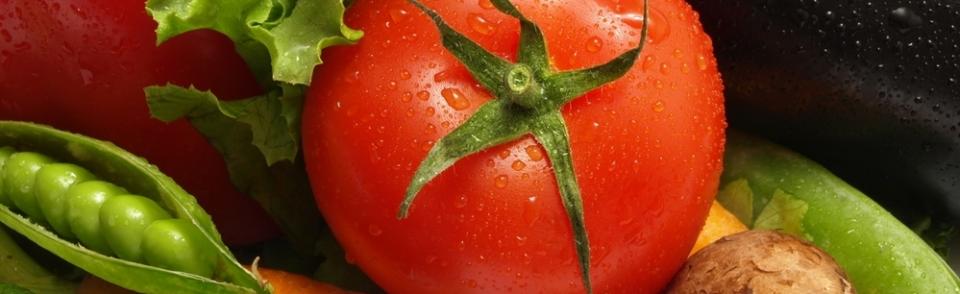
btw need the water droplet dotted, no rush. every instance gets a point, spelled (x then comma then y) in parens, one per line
(648, 62)
(518, 165)
(406, 97)
(659, 106)
(423, 95)
(659, 27)
(594, 44)
(685, 68)
(405, 75)
(486, 4)
(399, 14)
(427, 145)
(441, 76)
(480, 24)
(500, 181)
(461, 245)
(677, 53)
(664, 68)
(701, 62)
(504, 154)
(374, 230)
(461, 201)
(533, 151)
(455, 98)
(430, 111)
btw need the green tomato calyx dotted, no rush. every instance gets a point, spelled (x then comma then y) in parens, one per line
(530, 94)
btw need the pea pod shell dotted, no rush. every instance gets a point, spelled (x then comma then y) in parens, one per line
(117, 166)
(879, 253)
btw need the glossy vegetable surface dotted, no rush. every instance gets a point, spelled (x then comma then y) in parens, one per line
(59, 58)
(113, 224)
(645, 150)
(769, 187)
(871, 89)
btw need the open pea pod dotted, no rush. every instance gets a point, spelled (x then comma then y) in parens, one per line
(770, 187)
(112, 164)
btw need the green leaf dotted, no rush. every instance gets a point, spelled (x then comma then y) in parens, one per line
(737, 198)
(783, 212)
(272, 118)
(258, 139)
(21, 270)
(285, 35)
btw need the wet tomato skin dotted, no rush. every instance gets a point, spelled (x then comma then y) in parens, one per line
(646, 149)
(82, 66)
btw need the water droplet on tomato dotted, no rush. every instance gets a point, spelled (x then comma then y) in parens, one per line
(460, 202)
(500, 181)
(531, 210)
(399, 14)
(518, 165)
(659, 27)
(685, 68)
(648, 62)
(504, 154)
(480, 24)
(455, 98)
(430, 111)
(427, 145)
(405, 75)
(701, 62)
(664, 68)
(406, 97)
(521, 239)
(374, 230)
(594, 44)
(659, 106)
(440, 76)
(461, 245)
(533, 151)
(423, 95)
(485, 4)
(677, 53)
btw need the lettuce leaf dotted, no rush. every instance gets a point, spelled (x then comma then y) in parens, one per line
(258, 139)
(280, 37)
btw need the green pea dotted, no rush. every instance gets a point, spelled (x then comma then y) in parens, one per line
(5, 153)
(20, 174)
(124, 218)
(52, 183)
(83, 212)
(175, 244)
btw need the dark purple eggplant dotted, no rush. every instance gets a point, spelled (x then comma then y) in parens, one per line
(868, 88)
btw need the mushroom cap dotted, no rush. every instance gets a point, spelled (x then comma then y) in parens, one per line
(761, 261)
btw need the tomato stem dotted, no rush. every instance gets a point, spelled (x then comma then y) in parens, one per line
(530, 94)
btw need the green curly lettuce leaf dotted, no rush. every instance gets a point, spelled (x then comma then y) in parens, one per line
(281, 37)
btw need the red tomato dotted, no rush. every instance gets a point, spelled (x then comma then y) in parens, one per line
(646, 148)
(82, 66)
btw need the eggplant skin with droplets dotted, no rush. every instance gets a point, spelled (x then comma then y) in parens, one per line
(871, 89)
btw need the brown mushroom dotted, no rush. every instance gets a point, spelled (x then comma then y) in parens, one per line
(761, 262)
